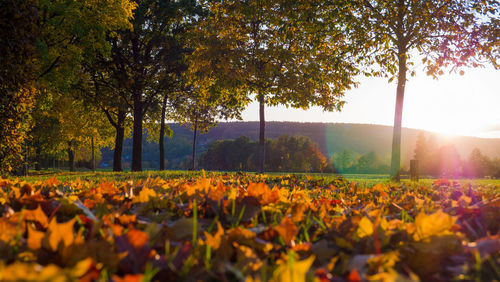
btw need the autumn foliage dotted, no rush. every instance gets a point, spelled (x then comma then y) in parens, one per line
(247, 227)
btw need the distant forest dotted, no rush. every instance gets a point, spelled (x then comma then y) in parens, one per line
(333, 139)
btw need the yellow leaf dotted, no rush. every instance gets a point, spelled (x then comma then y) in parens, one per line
(293, 270)
(145, 195)
(434, 224)
(81, 267)
(365, 228)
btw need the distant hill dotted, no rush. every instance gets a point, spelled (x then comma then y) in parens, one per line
(331, 138)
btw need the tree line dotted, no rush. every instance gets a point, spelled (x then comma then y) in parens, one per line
(81, 75)
(445, 161)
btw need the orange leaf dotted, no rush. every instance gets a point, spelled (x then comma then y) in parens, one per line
(137, 238)
(128, 278)
(51, 182)
(263, 193)
(9, 229)
(215, 240)
(37, 215)
(287, 230)
(298, 211)
(59, 233)
(257, 189)
(354, 276)
(34, 238)
(125, 219)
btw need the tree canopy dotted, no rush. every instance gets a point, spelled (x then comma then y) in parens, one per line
(442, 34)
(281, 51)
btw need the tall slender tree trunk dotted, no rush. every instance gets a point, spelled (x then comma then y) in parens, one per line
(193, 160)
(120, 135)
(262, 145)
(93, 154)
(137, 134)
(71, 157)
(398, 116)
(38, 158)
(162, 133)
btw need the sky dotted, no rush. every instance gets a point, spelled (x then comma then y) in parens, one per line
(453, 104)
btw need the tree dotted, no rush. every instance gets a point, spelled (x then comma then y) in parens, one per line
(478, 165)
(281, 51)
(18, 34)
(202, 111)
(449, 161)
(342, 161)
(442, 33)
(146, 57)
(423, 153)
(81, 125)
(73, 34)
(105, 96)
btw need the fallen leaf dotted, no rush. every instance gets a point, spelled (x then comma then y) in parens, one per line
(287, 230)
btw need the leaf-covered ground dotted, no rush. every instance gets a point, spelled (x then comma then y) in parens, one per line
(246, 227)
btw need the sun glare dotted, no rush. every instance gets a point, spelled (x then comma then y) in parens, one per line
(453, 104)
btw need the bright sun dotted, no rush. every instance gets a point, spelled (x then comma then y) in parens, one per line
(453, 104)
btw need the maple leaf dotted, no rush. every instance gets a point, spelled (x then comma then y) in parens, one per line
(214, 241)
(365, 228)
(262, 192)
(293, 270)
(36, 215)
(9, 229)
(144, 195)
(298, 211)
(59, 233)
(287, 230)
(34, 238)
(438, 223)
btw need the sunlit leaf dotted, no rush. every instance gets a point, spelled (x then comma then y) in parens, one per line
(293, 270)
(287, 230)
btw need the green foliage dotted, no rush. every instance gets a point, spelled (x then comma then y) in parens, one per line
(287, 153)
(346, 162)
(280, 50)
(18, 33)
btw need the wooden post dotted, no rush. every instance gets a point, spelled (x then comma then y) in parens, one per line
(414, 173)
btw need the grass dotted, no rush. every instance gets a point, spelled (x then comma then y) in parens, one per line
(364, 180)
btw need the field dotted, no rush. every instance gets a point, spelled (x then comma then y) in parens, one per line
(176, 225)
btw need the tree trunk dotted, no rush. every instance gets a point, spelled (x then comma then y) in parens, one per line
(262, 145)
(137, 134)
(193, 160)
(398, 116)
(38, 158)
(162, 133)
(120, 135)
(71, 157)
(93, 154)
